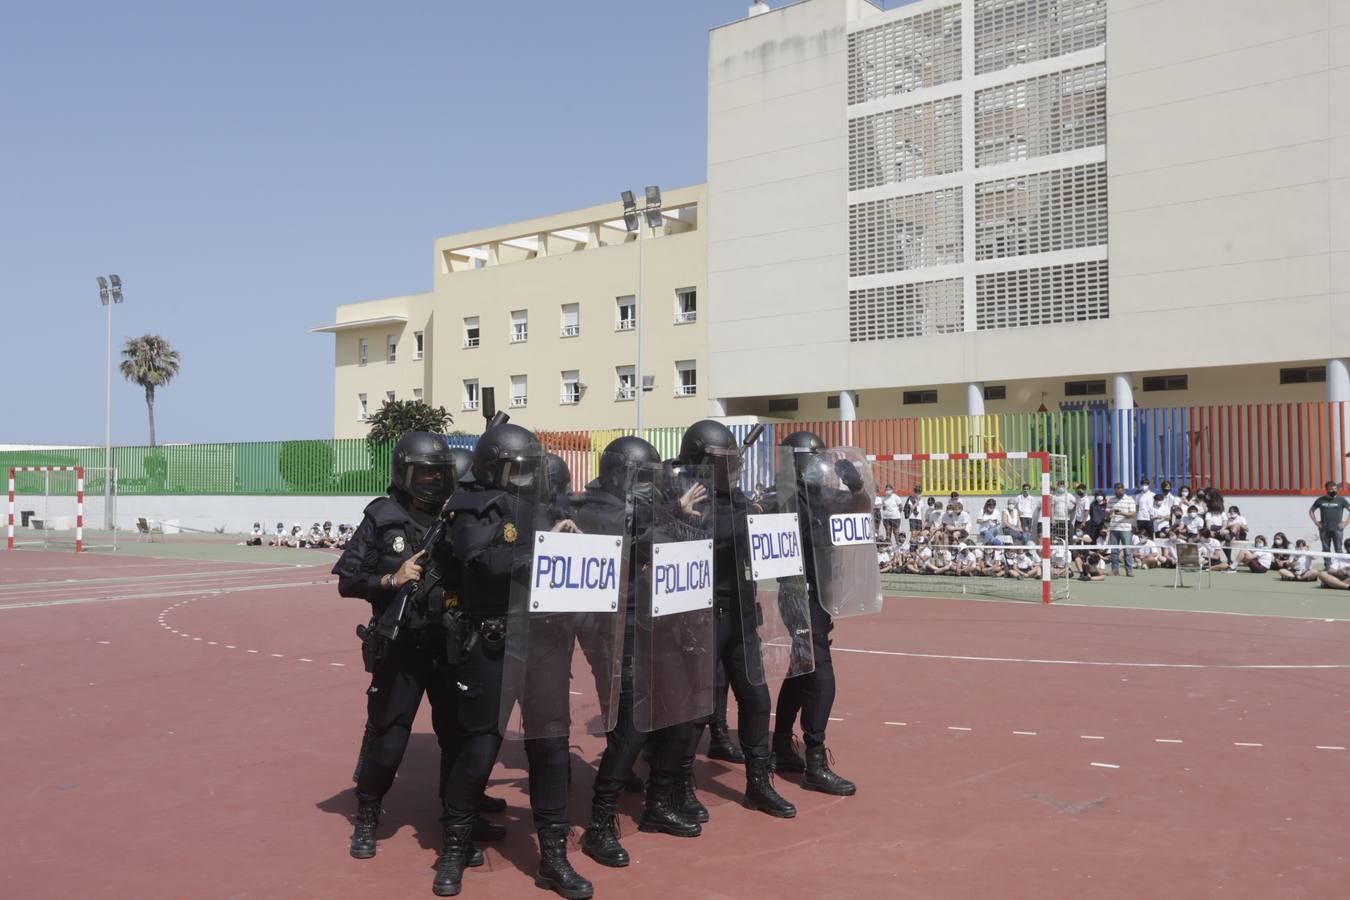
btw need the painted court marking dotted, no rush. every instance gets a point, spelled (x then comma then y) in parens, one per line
(1091, 662)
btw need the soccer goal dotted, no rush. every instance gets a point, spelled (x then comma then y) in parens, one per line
(1008, 538)
(46, 507)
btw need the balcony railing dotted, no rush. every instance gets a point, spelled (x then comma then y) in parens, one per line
(686, 390)
(571, 330)
(519, 336)
(625, 392)
(470, 405)
(625, 325)
(685, 316)
(518, 402)
(470, 342)
(570, 398)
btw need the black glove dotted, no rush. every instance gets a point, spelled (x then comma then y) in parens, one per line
(848, 474)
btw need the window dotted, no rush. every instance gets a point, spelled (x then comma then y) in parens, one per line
(832, 401)
(471, 393)
(626, 315)
(789, 404)
(686, 378)
(1303, 375)
(417, 394)
(1165, 382)
(913, 397)
(470, 331)
(361, 400)
(996, 392)
(419, 345)
(625, 383)
(520, 330)
(571, 387)
(520, 394)
(391, 347)
(686, 305)
(388, 396)
(1084, 388)
(363, 351)
(571, 319)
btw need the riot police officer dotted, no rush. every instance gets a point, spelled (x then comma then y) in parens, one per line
(602, 508)
(736, 635)
(379, 560)
(812, 694)
(490, 524)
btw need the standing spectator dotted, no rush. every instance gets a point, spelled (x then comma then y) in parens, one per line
(1144, 508)
(1334, 513)
(932, 517)
(1082, 507)
(891, 513)
(914, 509)
(1123, 511)
(1097, 517)
(1165, 498)
(1061, 509)
(1028, 507)
(1012, 523)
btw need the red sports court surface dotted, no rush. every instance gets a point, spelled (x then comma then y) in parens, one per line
(186, 729)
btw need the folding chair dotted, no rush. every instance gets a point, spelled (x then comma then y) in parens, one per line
(1190, 559)
(145, 531)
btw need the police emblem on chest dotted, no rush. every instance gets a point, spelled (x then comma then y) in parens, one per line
(399, 543)
(509, 533)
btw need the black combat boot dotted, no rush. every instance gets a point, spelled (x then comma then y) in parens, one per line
(601, 840)
(684, 797)
(363, 836)
(819, 776)
(634, 784)
(451, 861)
(555, 871)
(759, 792)
(486, 831)
(785, 756)
(661, 815)
(720, 745)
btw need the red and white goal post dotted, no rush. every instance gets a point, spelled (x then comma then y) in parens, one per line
(993, 473)
(47, 471)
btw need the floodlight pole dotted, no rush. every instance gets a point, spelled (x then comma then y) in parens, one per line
(641, 326)
(639, 216)
(109, 297)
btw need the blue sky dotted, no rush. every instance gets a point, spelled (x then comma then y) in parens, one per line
(248, 166)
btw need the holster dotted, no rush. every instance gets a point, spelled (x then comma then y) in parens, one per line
(370, 658)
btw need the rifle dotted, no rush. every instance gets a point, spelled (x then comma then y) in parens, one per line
(378, 638)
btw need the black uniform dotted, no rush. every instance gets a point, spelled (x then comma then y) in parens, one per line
(390, 532)
(484, 537)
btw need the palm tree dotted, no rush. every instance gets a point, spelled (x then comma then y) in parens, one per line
(150, 362)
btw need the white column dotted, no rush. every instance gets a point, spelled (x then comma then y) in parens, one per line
(975, 398)
(717, 407)
(1122, 449)
(975, 410)
(1338, 391)
(848, 414)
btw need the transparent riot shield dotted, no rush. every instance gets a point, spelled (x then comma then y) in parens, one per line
(564, 633)
(674, 663)
(835, 498)
(761, 540)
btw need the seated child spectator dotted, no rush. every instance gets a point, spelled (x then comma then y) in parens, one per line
(988, 521)
(955, 523)
(1300, 566)
(278, 539)
(1212, 551)
(1279, 561)
(1259, 558)
(255, 537)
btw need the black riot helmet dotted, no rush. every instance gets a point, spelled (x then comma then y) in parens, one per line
(808, 455)
(463, 458)
(622, 454)
(422, 468)
(507, 457)
(703, 436)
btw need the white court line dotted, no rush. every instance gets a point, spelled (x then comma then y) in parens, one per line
(1087, 662)
(279, 655)
(303, 659)
(1166, 741)
(1028, 733)
(957, 728)
(895, 723)
(1243, 744)
(339, 665)
(216, 592)
(1328, 747)
(833, 719)
(1091, 737)
(253, 651)
(231, 647)
(1106, 765)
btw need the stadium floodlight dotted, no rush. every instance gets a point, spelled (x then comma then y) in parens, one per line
(116, 288)
(102, 290)
(630, 221)
(653, 195)
(628, 203)
(653, 217)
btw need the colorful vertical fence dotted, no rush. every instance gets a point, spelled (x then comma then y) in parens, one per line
(1281, 448)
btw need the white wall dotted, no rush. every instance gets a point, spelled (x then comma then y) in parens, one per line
(235, 513)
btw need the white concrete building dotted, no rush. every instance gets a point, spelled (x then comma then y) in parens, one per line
(1029, 201)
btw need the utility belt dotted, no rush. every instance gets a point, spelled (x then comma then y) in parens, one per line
(464, 631)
